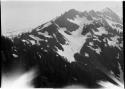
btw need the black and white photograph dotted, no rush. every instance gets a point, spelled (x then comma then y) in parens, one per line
(62, 44)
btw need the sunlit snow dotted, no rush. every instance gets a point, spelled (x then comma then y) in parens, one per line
(75, 43)
(114, 42)
(80, 20)
(14, 55)
(86, 54)
(111, 23)
(36, 38)
(97, 50)
(46, 34)
(32, 42)
(101, 30)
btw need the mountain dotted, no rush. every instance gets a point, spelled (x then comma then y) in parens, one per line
(74, 48)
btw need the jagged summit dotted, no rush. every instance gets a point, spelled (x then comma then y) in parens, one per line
(112, 15)
(74, 48)
(106, 13)
(72, 11)
(107, 10)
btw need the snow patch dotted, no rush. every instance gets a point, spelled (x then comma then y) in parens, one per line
(80, 20)
(101, 30)
(32, 42)
(112, 24)
(95, 38)
(45, 50)
(114, 42)
(74, 45)
(46, 34)
(97, 50)
(91, 44)
(14, 55)
(46, 40)
(25, 41)
(86, 54)
(36, 38)
(55, 37)
(78, 31)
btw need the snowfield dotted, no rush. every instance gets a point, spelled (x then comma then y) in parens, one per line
(75, 43)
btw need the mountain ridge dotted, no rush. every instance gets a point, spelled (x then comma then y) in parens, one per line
(85, 12)
(85, 43)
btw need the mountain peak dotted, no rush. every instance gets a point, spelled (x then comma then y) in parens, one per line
(107, 10)
(92, 11)
(72, 10)
(70, 13)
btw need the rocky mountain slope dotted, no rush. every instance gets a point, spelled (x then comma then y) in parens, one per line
(74, 48)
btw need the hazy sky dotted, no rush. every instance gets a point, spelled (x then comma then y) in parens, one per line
(22, 15)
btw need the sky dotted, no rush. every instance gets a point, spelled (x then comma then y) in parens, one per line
(24, 15)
